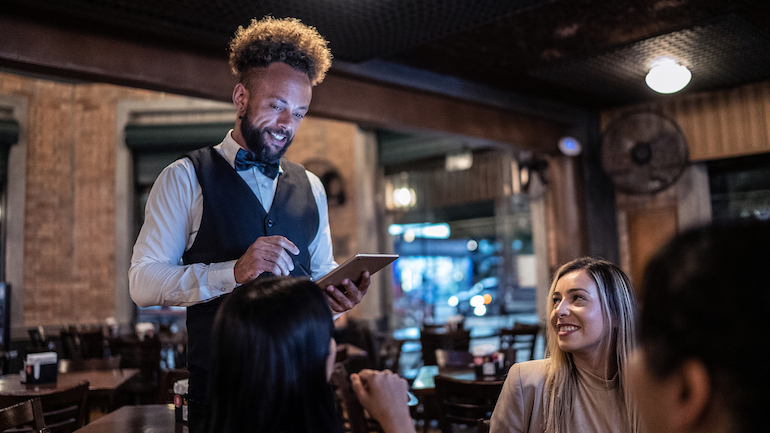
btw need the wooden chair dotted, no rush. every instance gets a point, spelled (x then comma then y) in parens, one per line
(27, 414)
(166, 388)
(37, 340)
(453, 340)
(79, 344)
(432, 327)
(359, 334)
(63, 411)
(520, 337)
(453, 359)
(482, 426)
(465, 402)
(354, 418)
(389, 354)
(144, 355)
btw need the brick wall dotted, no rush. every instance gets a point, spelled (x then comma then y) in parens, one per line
(70, 199)
(69, 226)
(334, 142)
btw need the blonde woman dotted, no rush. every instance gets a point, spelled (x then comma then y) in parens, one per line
(580, 386)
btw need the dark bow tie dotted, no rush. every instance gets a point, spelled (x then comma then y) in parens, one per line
(245, 160)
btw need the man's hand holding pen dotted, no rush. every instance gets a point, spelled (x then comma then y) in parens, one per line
(266, 254)
(274, 254)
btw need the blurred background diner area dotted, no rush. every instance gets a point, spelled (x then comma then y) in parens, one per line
(486, 143)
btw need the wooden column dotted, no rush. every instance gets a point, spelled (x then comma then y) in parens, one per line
(565, 211)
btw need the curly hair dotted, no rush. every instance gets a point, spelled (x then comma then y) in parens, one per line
(279, 40)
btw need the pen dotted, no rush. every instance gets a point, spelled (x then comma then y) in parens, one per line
(301, 268)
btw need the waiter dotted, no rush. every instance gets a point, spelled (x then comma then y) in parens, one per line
(224, 215)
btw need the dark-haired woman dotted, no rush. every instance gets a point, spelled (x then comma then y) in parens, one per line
(699, 366)
(272, 358)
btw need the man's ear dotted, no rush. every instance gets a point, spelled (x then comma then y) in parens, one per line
(240, 98)
(692, 396)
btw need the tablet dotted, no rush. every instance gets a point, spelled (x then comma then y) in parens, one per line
(354, 267)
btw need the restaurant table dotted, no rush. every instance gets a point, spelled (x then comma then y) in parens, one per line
(424, 384)
(153, 418)
(103, 385)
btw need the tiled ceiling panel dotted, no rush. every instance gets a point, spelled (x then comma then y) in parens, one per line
(721, 53)
(582, 52)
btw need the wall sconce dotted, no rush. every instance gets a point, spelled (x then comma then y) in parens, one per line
(459, 161)
(404, 197)
(667, 76)
(532, 166)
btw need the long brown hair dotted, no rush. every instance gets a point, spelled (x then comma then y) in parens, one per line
(619, 309)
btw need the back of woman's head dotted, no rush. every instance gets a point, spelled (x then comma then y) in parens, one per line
(268, 368)
(618, 302)
(704, 298)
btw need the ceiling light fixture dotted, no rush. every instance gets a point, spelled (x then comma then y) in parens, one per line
(667, 76)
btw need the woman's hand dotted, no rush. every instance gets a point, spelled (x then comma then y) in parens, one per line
(384, 395)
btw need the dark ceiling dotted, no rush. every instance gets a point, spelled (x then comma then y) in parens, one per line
(592, 54)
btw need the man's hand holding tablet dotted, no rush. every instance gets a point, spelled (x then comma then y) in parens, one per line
(346, 285)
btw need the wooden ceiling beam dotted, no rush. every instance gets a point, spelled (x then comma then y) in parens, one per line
(38, 47)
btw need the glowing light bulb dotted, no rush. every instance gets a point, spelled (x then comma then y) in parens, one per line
(667, 76)
(480, 310)
(477, 300)
(403, 197)
(453, 301)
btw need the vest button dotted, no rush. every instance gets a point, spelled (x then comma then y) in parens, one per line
(269, 223)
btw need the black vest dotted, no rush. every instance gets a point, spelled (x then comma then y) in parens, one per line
(233, 218)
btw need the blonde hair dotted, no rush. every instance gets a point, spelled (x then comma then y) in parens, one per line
(284, 40)
(619, 309)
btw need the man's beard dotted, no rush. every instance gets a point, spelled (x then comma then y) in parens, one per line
(255, 141)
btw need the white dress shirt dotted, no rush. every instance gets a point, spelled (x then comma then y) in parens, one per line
(171, 221)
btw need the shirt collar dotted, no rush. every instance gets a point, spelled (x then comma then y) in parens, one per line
(230, 148)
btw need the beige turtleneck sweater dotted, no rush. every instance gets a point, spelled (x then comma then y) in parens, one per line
(597, 406)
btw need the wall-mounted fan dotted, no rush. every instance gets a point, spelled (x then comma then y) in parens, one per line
(643, 152)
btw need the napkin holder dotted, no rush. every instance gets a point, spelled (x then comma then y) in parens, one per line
(181, 408)
(39, 368)
(490, 366)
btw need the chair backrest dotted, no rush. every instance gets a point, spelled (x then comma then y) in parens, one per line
(142, 354)
(389, 356)
(109, 363)
(166, 388)
(520, 337)
(453, 359)
(482, 426)
(359, 334)
(36, 339)
(465, 402)
(23, 414)
(354, 419)
(452, 340)
(70, 344)
(92, 343)
(64, 411)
